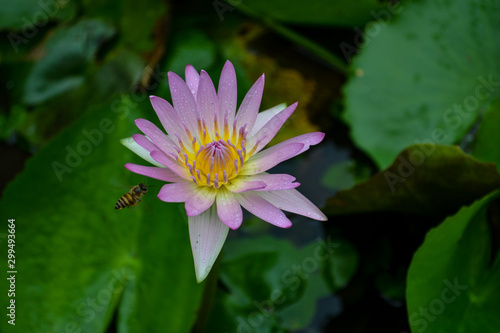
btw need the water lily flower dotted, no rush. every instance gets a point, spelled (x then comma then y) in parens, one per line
(213, 159)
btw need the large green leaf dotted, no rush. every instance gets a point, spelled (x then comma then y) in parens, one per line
(69, 52)
(28, 17)
(454, 278)
(425, 77)
(78, 260)
(424, 179)
(487, 144)
(313, 12)
(273, 286)
(136, 20)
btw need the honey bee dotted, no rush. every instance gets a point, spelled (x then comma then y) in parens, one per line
(133, 197)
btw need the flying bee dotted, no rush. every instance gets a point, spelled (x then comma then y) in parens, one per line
(133, 197)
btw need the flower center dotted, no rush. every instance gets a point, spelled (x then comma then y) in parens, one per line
(212, 158)
(217, 162)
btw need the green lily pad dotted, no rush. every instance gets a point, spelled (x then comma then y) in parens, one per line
(486, 146)
(314, 12)
(10, 123)
(424, 179)
(271, 286)
(136, 20)
(69, 52)
(79, 261)
(344, 175)
(28, 17)
(424, 77)
(454, 278)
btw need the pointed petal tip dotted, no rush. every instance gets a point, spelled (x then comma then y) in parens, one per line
(173, 76)
(155, 100)
(316, 215)
(228, 68)
(204, 76)
(201, 274)
(124, 141)
(321, 217)
(139, 121)
(200, 279)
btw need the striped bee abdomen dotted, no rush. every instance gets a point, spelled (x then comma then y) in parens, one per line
(125, 201)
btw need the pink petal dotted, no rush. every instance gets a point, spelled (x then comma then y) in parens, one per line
(192, 79)
(163, 159)
(160, 139)
(239, 185)
(274, 182)
(208, 103)
(169, 119)
(228, 94)
(183, 100)
(177, 192)
(263, 117)
(309, 139)
(207, 234)
(154, 172)
(269, 130)
(263, 209)
(293, 201)
(247, 112)
(200, 201)
(144, 142)
(270, 157)
(228, 209)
